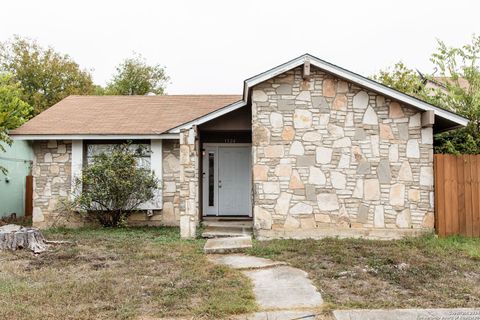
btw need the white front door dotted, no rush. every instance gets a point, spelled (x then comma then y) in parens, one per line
(227, 181)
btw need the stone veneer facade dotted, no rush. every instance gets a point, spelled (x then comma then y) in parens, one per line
(330, 158)
(52, 182)
(189, 182)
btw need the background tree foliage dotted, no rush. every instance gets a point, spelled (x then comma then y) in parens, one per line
(45, 75)
(135, 77)
(113, 186)
(13, 110)
(458, 76)
(403, 79)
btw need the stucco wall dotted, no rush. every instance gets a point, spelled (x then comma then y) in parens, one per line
(52, 182)
(330, 158)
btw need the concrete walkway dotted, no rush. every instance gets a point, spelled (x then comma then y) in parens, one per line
(282, 292)
(408, 314)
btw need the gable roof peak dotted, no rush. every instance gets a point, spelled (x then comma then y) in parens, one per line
(451, 119)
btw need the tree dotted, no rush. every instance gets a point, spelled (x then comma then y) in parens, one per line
(460, 69)
(458, 91)
(45, 75)
(13, 110)
(114, 186)
(135, 77)
(401, 78)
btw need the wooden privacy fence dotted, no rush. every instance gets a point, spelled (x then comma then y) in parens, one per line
(457, 195)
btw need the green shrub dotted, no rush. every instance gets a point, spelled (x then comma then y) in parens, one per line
(114, 186)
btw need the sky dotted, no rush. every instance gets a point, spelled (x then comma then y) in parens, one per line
(211, 47)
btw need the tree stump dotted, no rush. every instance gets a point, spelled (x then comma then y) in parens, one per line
(14, 237)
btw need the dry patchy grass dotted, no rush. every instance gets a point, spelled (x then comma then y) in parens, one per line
(422, 272)
(120, 274)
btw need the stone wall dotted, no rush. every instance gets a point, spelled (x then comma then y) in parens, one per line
(52, 182)
(189, 189)
(331, 158)
(51, 179)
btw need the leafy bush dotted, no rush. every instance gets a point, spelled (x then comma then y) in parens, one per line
(114, 186)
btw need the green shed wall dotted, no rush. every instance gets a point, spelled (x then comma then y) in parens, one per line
(18, 161)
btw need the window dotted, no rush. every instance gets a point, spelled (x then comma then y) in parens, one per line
(96, 148)
(211, 181)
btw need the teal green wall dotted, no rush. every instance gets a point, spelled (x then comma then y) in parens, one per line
(18, 161)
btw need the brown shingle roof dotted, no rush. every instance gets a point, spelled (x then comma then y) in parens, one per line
(122, 114)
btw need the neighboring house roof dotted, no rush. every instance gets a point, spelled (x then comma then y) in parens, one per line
(122, 115)
(441, 82)
(464, 84)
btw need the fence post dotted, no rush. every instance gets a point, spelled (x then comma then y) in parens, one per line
(28, 196)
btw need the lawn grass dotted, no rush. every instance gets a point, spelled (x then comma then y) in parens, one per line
(425, 272)
(125, 273)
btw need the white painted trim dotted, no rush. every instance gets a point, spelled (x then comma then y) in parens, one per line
(355, 78)
(212, 115)
(77, 166)
(156, 166)
(94, 136)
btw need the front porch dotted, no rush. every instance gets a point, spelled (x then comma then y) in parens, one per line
(216, 176)
(215, 227)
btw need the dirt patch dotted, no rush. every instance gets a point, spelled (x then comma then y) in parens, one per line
(13, 219)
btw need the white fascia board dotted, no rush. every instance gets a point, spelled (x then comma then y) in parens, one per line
(94, 136)
(212, 115)
(264, 76)
(357, 79)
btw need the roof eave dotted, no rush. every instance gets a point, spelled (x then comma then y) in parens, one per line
(210, 116)
(94, 136)
(355, 78)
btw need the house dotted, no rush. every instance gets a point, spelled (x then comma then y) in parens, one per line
(309, 150)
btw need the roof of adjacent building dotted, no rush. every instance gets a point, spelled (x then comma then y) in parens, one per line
(122, 115)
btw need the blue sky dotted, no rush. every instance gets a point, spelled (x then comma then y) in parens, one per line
(212, 46)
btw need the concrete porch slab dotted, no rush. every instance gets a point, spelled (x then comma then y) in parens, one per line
(219, 232)
(408, 314)
(228, 224)
(242, 262)
(228, 245)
